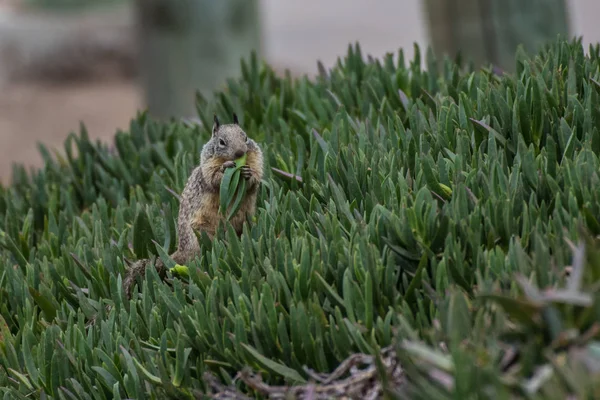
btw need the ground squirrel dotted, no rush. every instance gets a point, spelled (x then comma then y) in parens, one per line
(199, 207)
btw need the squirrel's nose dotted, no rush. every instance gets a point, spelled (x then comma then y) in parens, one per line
(239, 153)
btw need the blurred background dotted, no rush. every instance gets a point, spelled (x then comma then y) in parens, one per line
(63, 62)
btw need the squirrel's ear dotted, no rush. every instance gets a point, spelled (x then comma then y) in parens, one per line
(235, 120)
(216, 124)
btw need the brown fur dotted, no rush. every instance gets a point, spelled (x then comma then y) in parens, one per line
(199, 208)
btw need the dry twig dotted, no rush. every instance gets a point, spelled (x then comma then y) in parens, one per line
(356, 377)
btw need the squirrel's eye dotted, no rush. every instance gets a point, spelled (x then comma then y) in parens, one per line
(221, 142)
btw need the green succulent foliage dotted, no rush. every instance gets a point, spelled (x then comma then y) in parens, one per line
(433, 208)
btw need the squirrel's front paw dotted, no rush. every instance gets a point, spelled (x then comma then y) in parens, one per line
(246, 172)
(227, 164)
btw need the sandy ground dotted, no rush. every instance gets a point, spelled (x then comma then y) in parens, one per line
(34, 113)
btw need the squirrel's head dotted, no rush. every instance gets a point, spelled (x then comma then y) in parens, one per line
(230, 141)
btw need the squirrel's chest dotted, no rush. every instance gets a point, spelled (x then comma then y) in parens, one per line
(207, 208)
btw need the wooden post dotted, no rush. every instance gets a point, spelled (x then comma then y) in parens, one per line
(189, 45)
(489, 31)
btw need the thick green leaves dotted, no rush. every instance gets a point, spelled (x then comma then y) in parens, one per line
(273, 366)
(233, 188)
(434, 209)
